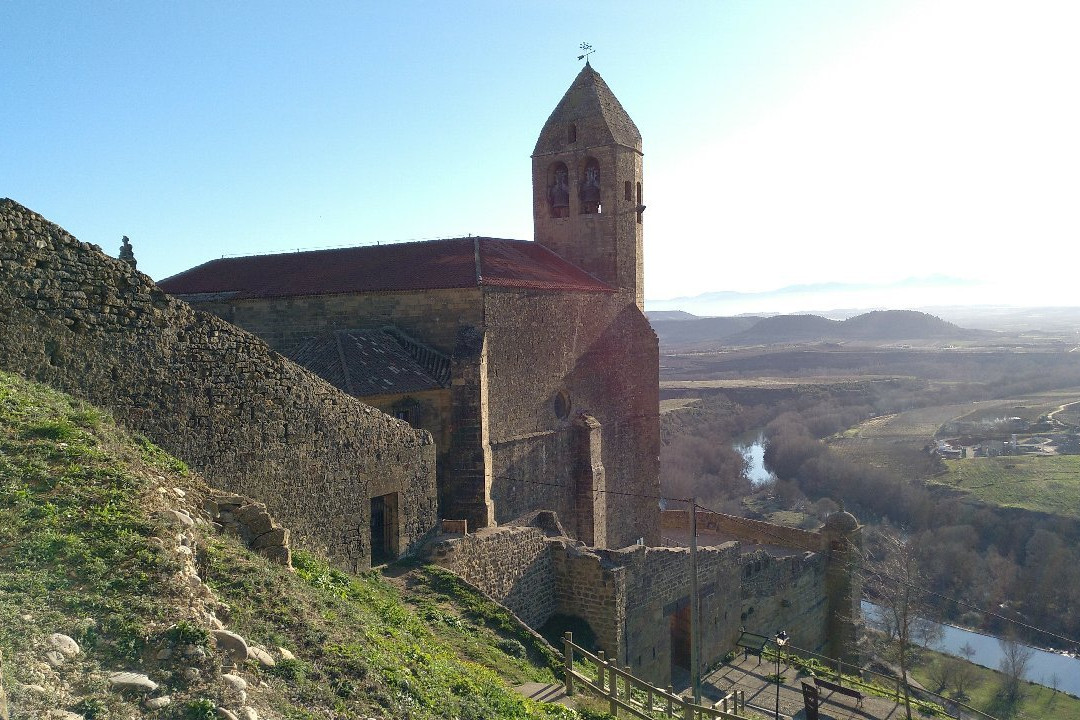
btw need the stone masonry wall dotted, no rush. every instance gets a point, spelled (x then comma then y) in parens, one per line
(215, 396)
(511, 564)
(746, 529)
(593, 588)
(431, 315)
(600, 354)
(658, 589)
(784, 593)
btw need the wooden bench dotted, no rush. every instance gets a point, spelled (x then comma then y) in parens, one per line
(850, 692)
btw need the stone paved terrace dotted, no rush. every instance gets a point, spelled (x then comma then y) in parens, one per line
(750, 676)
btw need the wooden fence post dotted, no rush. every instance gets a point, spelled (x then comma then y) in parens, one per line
(670, 692)
(613, 688)
(3, 695)
(688, 707)
(568, 658)
(600, 670)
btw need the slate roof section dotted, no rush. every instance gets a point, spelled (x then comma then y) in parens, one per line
(427, 265)
(373, 362)
(589, 97)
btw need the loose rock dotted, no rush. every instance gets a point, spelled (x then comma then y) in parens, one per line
(285, 654)
(235, 682)
(264, 658)
(158, 702)
(232, 644)
(132, 681)
(67, 646)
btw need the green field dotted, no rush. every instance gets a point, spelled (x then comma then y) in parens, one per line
(1048, 484)
(1037, 701)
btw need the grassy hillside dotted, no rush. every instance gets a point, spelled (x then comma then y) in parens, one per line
(103, 541)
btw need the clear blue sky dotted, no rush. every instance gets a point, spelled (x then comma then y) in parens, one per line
(785, 142)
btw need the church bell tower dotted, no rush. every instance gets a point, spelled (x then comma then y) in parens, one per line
(587, 195)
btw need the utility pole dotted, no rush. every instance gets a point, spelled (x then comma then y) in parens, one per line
(695, 617)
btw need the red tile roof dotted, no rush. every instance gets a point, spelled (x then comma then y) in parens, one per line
(429, 265)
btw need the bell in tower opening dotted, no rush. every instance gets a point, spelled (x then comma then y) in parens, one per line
(590, 189)
(559, 193)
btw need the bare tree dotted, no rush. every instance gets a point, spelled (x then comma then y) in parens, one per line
(896, 584)
(1014, 662)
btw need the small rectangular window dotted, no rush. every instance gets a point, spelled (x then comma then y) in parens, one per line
(626, 191)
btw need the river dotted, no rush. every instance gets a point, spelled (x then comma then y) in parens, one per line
(1042, 668)
(752, 448)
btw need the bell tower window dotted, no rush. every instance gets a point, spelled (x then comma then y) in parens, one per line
(589, 192)
(559, 191)
(640, 206)
(571, 133)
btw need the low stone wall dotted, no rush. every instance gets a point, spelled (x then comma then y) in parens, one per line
(783, 593)
(513, 565)
(593, 588)
(206, 391)
(746, 529)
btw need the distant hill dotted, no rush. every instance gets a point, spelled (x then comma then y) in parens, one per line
(787, 328)
(687, 329)
(900, 325)
(878, 325)
(666, 315)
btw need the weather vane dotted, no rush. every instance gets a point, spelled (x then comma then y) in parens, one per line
(587, 50)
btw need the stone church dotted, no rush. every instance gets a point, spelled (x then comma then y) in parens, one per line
(530, 362)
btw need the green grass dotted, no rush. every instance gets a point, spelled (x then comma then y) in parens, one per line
(1048, 484)
(1037, 701)
(82, 552)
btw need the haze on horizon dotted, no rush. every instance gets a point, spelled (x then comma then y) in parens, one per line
(841, 142)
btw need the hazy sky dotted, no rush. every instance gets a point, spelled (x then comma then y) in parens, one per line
(785, 142)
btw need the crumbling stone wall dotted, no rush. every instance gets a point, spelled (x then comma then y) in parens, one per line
(783, 593)
(208, 392)
(510, 564)
(745, 529)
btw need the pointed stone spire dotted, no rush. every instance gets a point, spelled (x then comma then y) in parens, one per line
(598, 116)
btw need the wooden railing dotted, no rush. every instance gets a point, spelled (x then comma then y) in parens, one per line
(625, 692)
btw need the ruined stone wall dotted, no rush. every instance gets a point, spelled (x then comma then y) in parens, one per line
(601, 355)
(513, 565)
(215, 396)
(658, 595)
(745, 529)
(785, 593)
(593, 588)
(432, 316)
(637, 600)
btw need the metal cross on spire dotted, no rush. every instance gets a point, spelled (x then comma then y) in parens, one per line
(586, 50)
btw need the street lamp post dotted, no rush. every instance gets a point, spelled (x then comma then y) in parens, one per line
(781, 641)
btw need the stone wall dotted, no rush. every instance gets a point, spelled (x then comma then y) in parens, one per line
(215, 396)
(598, 356)
(433, 315)
(783, 593)
(591, 587)
(745, 529)
(511, 564)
